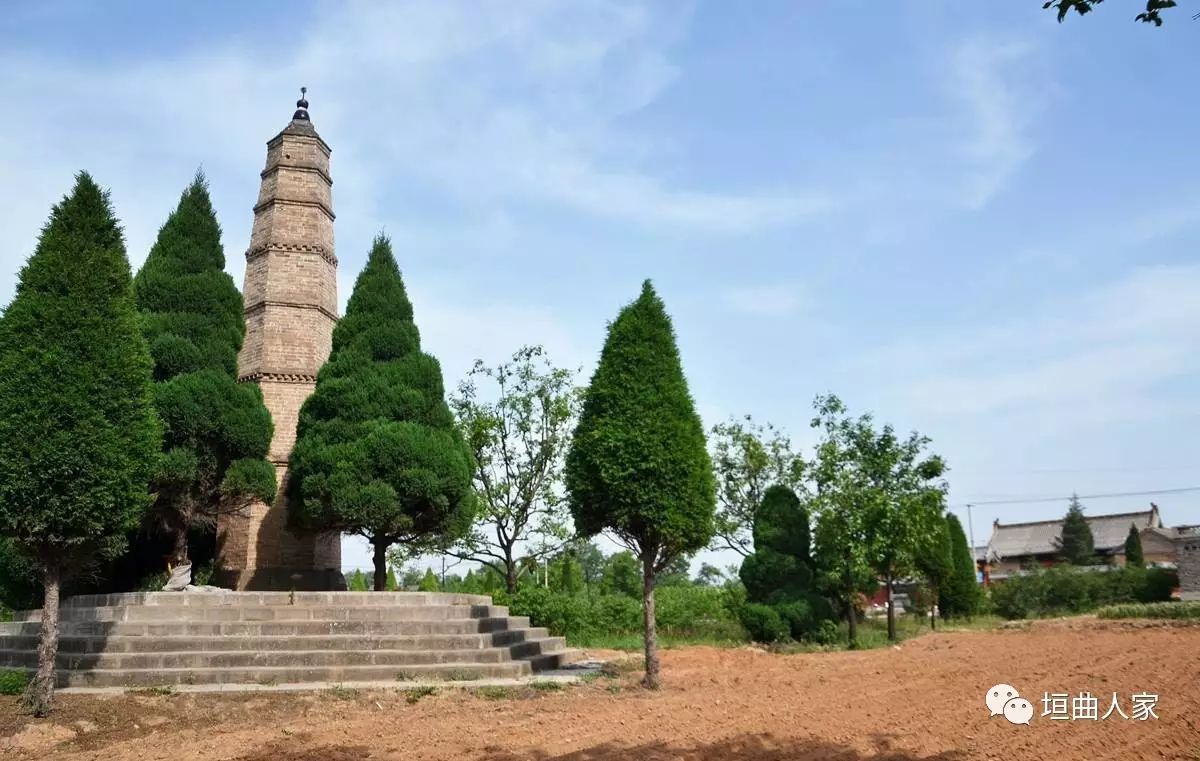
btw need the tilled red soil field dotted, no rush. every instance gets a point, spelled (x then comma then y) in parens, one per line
(922, 700)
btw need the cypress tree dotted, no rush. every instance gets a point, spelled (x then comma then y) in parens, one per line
(960, 593)
(638, 464)
(78, 434)
(780, 568)
(216, 431)
(1133, 548)
(935, 562)
(1076, 545)
(377, 452)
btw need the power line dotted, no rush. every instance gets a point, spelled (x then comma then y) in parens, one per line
(1035, 500)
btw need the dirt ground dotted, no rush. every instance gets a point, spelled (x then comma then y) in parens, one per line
(922, 700)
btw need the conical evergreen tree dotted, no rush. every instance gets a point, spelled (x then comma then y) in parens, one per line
(960, 595)
(1133, 548)
(638, 464)
(217, 431)
(1076, 545)
(377, 452)
(780, 568)
(78, 434)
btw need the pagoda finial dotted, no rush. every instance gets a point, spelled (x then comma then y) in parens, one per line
(301, 107)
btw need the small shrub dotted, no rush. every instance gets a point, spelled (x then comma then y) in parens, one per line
(416, 693)
(339, 692)
(157, 691)
(13, 681)
(763, 623)
(1169, 610)
(463, 675)
(546, 686)
(494, 692)
(405, 676)
(828, 633)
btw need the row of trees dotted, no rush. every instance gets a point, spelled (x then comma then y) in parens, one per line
(119, 407)
(119, 403)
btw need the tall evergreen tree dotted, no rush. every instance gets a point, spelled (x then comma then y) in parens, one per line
(216, 431)
(1076, 545)
(377, 451)
(960, 594)
(78, 434)
(1133, 548)
(638, 464)
(935, 562)
(780, 568)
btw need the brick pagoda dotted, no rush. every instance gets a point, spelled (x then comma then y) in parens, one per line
(290, 299)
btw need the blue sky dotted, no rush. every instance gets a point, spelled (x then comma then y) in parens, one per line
(964, 217)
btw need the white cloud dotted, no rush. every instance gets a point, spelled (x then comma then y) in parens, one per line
(1094, 357)
(997, 112)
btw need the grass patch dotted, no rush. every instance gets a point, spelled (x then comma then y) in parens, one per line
(632, 641)
(157, 691)
(13, 681)
(1163, 610)
(463, 675)
(406, 676)
(416, 693)
(547, 685)
(341, 692)
(614, 688)
(495, 692)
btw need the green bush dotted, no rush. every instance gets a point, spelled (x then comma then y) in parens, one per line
(1067, 590)
(13, 681)
(763, 623)
(684, 608)
(828, 633)
(1175, 610)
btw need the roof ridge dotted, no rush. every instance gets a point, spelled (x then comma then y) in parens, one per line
(1085, 517)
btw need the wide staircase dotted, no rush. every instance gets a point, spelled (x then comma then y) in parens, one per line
(283, 638)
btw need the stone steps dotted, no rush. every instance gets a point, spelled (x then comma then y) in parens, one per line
(272, 628)
(229, 613)
(457, 672)
(258, 638)
(143, 644)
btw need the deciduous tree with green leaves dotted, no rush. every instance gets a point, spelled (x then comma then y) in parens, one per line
(1151, 15)
(518, 427)
(748, 458)
(78, 433)
(638, 466)
(903, 493)
(377, 452)
(1076, 544)
(841, 503)
(216, 431)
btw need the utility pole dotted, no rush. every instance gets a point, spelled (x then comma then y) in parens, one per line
(971, 529)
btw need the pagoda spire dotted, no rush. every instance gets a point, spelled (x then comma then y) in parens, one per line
(301, 114)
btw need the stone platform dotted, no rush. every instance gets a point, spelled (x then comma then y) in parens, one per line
(282, 638)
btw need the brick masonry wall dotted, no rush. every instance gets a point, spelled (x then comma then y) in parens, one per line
(290, 297)
(1188, 563)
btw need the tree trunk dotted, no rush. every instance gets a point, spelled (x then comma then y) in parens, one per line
(651, 680)
(933, 610)
(851, 613)
(180, 553)
(380, 565)
(510, 577)
(891, 607)
(40, 695)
